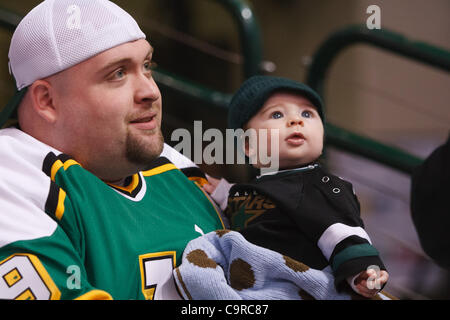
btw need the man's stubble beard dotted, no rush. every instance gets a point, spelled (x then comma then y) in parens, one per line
(141, 152)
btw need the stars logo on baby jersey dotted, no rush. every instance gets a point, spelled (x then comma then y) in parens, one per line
(243, 207)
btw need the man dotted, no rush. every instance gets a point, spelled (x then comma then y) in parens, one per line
(88, 208)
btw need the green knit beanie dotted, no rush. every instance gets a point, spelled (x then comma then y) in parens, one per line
(257, 89)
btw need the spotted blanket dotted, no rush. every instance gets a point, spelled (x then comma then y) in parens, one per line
(222, 265)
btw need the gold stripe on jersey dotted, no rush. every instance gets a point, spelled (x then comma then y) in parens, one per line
(60, 206)
(133, 188)
(199, 180)
(58, 164)
(158, 170)
(129, 188)
(212, 203)
(69, 163)
(95, 295)
(55, 168)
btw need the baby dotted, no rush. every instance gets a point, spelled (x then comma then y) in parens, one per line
(301, 210)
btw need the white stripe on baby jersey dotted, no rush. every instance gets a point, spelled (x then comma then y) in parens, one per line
(335, 234)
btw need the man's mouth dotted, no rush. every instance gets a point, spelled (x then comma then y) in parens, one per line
(296, 139)
(145, 122)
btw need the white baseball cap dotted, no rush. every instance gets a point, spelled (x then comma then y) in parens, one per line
(58, 34)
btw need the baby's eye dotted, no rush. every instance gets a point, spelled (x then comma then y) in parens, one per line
(306, 114)
(276, 115)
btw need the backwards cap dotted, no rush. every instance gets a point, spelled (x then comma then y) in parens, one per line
(58, 34)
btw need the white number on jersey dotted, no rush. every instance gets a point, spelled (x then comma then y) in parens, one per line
(157, 277)
(23, 277)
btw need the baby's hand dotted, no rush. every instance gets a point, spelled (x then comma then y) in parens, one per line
(369, 282)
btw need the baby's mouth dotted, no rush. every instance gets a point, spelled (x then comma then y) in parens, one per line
(296, 139)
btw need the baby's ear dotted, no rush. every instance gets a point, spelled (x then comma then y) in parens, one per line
(248, 149)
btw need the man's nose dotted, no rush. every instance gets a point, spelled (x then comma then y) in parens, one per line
(146, 90)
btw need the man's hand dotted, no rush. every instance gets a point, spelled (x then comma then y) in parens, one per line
(369, 282)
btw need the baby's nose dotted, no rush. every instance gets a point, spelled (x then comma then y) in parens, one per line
(295, 121)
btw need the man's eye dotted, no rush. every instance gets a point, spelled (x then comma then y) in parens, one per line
(119, 74)
(149, 65)
(306, 114)
(276, 115)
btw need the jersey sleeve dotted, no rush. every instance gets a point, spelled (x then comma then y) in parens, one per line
(186, 165)
(47, 268)
(178, 159)
(37, 258)
(329, 213)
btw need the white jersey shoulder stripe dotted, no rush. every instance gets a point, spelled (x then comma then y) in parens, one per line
(179, 160)
(24, 188)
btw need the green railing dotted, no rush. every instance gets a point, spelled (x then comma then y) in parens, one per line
(249, 34)
(9, 20)
(387, 40)
(251, 48)
(179, 85)
(252, 52)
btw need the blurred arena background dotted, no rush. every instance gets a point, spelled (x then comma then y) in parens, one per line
(369, 91)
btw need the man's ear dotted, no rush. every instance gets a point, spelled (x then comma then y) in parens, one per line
(41, 93)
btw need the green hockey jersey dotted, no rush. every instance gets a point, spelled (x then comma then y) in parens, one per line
(65, 234)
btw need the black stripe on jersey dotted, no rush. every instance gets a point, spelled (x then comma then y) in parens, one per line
(193, 172)
(49, 160)
(157, 163)
(64, 157)
(353, 267)
(52, 200)
(347, 242)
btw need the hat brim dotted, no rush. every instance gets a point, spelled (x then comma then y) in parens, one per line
(10, 110)
(296, 89)
(255, 91)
